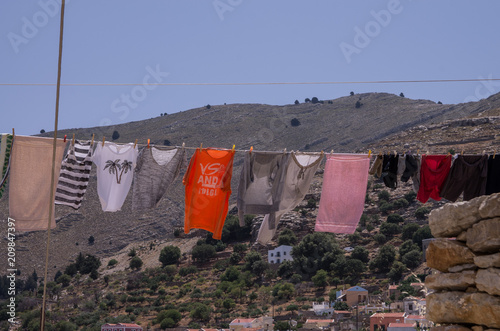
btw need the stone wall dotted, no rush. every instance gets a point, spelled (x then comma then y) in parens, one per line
(466, 260)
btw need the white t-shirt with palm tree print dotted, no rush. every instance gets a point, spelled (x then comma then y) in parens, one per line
(115, 171)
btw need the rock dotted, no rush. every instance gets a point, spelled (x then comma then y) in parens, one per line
(460, 307)
(462, 236)
(453, 218)
(487, 261)
(488, 280)
(451, 281)
(485, 236)
(443, 254)
(490, 207)
(462, 267)
(450, 328)
(477, 328)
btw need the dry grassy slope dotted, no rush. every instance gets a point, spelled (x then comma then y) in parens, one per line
(339, 126)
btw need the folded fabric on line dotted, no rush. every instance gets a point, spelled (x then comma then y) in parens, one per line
(30, 182)
(299, 175)
(261, 184)
(343, 193)
(157, 168)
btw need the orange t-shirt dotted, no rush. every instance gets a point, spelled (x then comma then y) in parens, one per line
(208, 187)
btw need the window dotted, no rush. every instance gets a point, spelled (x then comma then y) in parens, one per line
(272, 254)
(278, 261)
(410, 306)
(284, 253)
(272, 261)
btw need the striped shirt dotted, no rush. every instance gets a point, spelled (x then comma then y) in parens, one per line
(74, 175)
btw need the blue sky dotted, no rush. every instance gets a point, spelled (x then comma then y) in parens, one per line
(235, 41)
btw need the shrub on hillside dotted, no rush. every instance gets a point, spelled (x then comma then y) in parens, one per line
(384, 259)
(395, 218)
(412, 259)
(380, 238)
(389, 229)
(410, 196)
(169, 255)
(383, 195)
(408, 230)
(294, 122)
(422, 212)
(401, 203)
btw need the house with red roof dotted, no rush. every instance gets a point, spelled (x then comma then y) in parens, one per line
(402, 326)
(381, 321)
(121, 327)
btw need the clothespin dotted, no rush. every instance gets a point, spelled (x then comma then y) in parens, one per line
(92, 143)
(369, 153)
(331, 152)
(73, 140)
(251, 149)
(103, 138)
(462, 153)
(13, 132)
(201, 146)
(484, 152)
(135, 144)
(183, 144)
(148, 142)
(494, 152)
(233, 148)
(284, 151)
(65, 138)
(418, 152)
(395, 153)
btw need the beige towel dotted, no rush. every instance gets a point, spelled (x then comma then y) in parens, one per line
(29, 186)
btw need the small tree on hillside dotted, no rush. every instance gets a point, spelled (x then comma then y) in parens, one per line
(401, 95)
(295, 122)
(115, 135)
(352, 93)
(296, 102)
(169, 255)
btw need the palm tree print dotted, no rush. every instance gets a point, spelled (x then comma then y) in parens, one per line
(125, 167)
(113, 168)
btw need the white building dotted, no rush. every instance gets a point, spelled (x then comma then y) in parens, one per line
(280, 254)
(324, 308)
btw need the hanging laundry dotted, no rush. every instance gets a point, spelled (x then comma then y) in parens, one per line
(468, 175)
(157, 168)
(401, 164)
(390, 171)
(261, 184)
(115, 171)
(343, 194)
(74, 175)
(5, 151)
(30, 182)
(376, 167)
(299, 175)
(207, 190)
(433, 172)
(410, 168)
(493, 178)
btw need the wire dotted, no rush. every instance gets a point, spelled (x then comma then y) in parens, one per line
(261, 83)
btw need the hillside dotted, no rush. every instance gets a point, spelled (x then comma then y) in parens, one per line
(338, 125)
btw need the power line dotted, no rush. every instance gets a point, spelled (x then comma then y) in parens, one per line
(261, 83)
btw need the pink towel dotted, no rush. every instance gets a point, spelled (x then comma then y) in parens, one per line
(343, 193)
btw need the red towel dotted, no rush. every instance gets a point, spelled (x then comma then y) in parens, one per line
(343, 193)
(433, 173)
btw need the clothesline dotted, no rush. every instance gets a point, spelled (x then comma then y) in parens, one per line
(262, 83)
(369, 152)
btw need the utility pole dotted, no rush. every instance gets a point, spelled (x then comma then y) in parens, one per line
(357, 316)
